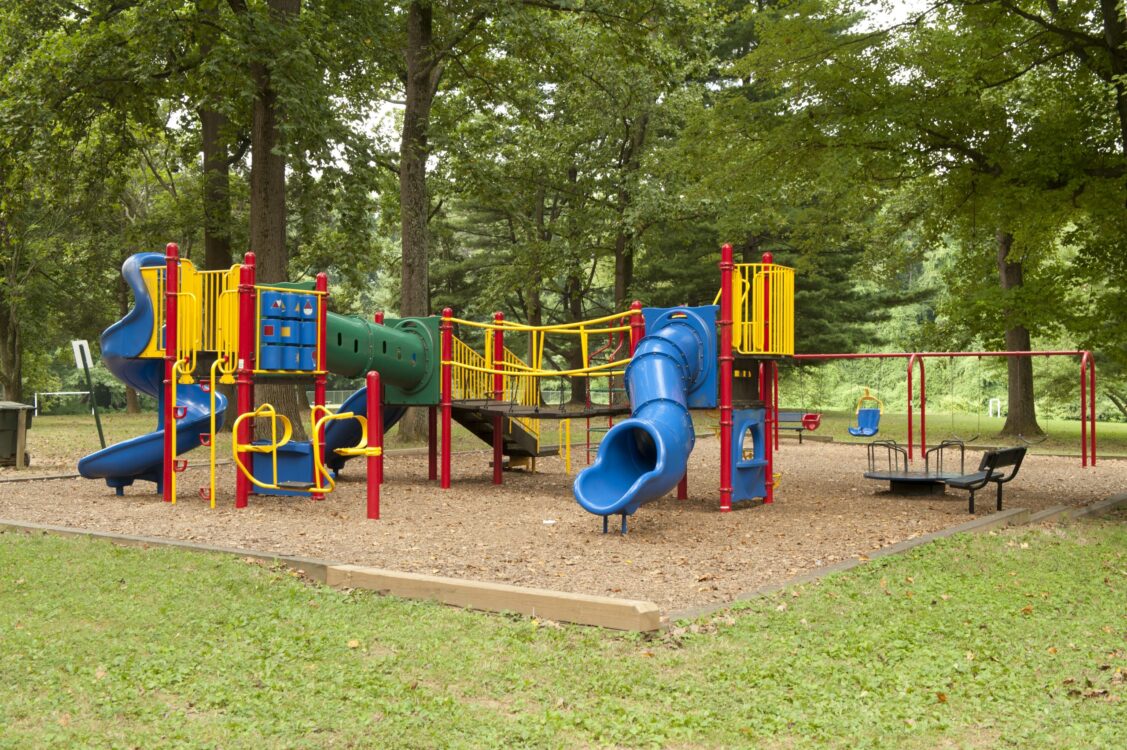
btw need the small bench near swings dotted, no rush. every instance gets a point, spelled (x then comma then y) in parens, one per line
(992, 468)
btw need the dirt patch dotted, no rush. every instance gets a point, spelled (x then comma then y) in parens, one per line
(531, 532)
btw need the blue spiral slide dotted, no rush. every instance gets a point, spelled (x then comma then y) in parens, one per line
(642, 458)
(122, 343)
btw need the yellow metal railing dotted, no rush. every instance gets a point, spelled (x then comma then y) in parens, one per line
(762, 309)
(153, 277)
(207, 316)
(523, 390)
(471, 373)
(219, 292)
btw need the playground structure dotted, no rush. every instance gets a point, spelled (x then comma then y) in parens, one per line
(191, 331)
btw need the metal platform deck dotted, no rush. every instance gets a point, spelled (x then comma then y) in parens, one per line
(545, 411)
(914, 482)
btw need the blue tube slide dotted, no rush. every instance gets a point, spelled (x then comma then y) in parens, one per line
(122, 343)
(345, 433)
(642, 458)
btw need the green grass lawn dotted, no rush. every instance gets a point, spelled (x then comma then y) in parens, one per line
(1010, 640)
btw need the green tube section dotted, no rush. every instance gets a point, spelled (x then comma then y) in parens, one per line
(401, 351)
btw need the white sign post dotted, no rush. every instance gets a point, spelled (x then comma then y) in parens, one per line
(83, 361)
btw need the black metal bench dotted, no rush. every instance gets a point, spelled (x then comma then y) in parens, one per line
(799, 421)
(992, 468)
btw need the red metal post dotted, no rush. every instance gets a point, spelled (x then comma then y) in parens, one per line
(447, 328)
(375, 440)
(768, 429)
(498, 395)
(432, 443)
(1087, 408)
(637, 325)
(726, 363)
(1083, 414)
(378, 423)
(768, 259)
(171, 288)
(1092, 403)
(683, 487)
(244, 381)
(775, 399)
(912, 361)
(321, 285)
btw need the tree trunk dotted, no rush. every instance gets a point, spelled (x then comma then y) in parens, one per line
(573, 300)
(268, 213)
(1022, 416)
(11, 350)
(217, 211)
(1115, 34)
(132, 402)
(216, 192)
(216, 168)
(421, 86)
(629, 163)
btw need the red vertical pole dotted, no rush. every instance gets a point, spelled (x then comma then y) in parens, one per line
(768, 259)
(683, 487)
(498, 395)
(244, 382)
(171, 288)
(375, 440)
(637, 326)
(912, 361)
(1087, 408)
(377, 425)
(1092, 403)
(768, 437)
(321, 285)
(1083, 413)
(447, 329)
(432, 443)
(923, 410)
(771, 429)
(911, 364)
(726, 362)
(775, 399)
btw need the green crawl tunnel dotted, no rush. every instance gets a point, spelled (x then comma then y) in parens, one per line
(403, 351)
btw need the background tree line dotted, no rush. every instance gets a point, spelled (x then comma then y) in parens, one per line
(942, 175)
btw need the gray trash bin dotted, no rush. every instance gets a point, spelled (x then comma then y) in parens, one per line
(10, 414)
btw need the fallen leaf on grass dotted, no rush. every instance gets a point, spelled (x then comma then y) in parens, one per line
(354, 643)
(941, 697)
(1027, 609)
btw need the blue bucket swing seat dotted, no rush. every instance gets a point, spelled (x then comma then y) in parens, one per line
(869, 409)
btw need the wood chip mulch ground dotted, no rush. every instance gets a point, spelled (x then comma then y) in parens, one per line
(531, 532)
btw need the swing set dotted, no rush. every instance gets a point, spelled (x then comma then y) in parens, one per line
(916, 362)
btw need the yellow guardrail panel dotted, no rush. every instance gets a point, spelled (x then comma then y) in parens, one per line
(153, 277)
(751, 283)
